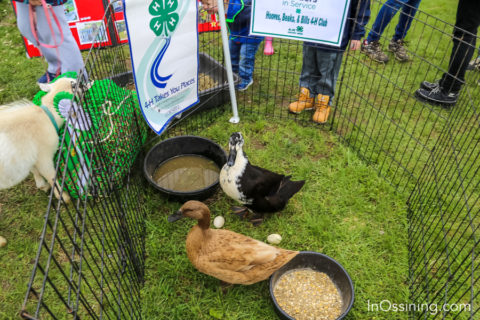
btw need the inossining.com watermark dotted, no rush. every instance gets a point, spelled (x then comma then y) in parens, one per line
(432, 308)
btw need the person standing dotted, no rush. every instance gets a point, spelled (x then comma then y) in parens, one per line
(67, 56)
(446, 90)
(243, 47)
(321, 65)
(371, 46)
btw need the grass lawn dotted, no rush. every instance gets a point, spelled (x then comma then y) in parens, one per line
(345, 210)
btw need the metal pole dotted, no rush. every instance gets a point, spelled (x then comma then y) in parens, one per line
(228, 62)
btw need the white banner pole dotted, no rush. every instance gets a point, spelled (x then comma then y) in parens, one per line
(228, 62)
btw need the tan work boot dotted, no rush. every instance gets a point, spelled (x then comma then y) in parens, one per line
(304, 102)
(322, 109)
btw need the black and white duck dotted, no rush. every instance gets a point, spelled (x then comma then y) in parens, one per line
(258, 189)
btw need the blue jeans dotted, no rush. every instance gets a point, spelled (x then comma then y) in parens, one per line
(242, 56)
(320, 70)
(387, 12)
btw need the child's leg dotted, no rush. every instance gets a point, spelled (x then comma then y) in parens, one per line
(69, 57)
(307, 81)
(234, 54)
(23, 22)
(328, 64)
(408, 12)
(247, 61)
(310, 73)
(385, 15)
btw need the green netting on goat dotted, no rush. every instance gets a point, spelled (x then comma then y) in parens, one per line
(103, 136)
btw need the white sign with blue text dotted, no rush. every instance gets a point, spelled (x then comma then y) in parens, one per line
(320, 21)
(163, 42)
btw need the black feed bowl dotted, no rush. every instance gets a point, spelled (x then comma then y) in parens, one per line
(184, 145)
(321, 263)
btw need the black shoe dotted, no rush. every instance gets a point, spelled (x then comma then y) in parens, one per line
(437, 96)
(429, 86)
(44, 81)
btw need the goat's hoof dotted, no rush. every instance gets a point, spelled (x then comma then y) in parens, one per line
(66, 198)
(45, 187)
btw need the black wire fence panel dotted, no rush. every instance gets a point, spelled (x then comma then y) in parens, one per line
(377, 111)
(428, 150)
(444, 222)
(90, 261)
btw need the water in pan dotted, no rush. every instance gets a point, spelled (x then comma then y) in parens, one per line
(186, 173)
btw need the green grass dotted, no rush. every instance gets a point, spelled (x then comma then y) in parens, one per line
(345, 209)
(18, 75)
(22, 208)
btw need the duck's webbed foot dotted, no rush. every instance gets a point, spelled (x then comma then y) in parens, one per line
(225, 286)
(256, 220)
(240, 212)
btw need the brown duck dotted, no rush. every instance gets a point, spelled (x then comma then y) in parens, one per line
(227, 255)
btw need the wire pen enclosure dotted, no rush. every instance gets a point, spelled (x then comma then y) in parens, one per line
(90, 262)
(91, 258)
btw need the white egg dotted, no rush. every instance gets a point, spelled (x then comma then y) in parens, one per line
(218, 222)
(274, 238)
(3, 242)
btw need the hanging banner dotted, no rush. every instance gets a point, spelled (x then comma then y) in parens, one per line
(306, 20)
(163, 40)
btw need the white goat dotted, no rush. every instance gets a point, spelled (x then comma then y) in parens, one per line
(29, 140)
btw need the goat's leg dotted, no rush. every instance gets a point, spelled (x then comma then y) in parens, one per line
(46, 169)
(40, 182)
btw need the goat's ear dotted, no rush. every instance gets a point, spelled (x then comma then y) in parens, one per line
(73, 83)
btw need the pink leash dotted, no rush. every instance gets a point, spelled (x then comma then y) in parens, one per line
(33, 23)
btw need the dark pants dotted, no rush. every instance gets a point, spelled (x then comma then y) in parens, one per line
(320, 70)
(464, 40)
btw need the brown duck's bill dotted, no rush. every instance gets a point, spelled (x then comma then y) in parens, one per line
(176, 216)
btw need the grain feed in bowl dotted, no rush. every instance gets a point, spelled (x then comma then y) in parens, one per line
(206, 82)
(306, 294)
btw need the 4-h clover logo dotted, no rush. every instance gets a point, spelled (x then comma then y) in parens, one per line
(165, 18)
